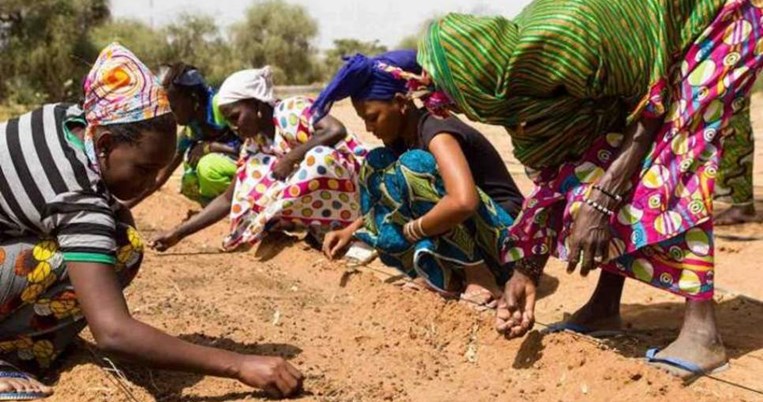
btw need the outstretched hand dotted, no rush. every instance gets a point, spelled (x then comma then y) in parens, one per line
(274, 375)
(164, 241)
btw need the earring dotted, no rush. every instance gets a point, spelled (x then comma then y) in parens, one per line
(102, 154)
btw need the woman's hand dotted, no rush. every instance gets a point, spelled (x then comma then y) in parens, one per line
(164, 241)
(515, 314)
(589, 239)
(198, 151)
(590, 232)
(335, 241)
(274, 375)
(284, 167)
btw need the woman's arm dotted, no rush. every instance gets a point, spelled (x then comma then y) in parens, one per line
(221, 148)
(328, 132)
(117, 332)
(211, 214)
(590, 234)
(638, 139)
(461, 199)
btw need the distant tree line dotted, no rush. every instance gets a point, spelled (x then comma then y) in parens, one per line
(47, 46)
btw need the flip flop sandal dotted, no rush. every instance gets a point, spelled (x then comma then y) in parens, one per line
(360, 254)
(9, 371)
(692, 368)
(582, 330)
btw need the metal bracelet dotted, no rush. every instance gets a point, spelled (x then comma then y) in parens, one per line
(421, 232)
(409, 231)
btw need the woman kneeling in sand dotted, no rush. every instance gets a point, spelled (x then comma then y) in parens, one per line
(437, 199)
(67, 246)
(295, 172)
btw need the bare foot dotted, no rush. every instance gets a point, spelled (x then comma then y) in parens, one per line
(698, 343)
(737, 214)
(419, 284)
(602, 312)
(481, 282)
(272, 245)
(480, 291)
(414, 285)
(14, 381)
(478, 295)
(596, 317)
(282, 226)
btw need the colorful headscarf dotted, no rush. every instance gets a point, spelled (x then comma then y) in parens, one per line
(563, 71)
(372, 78)
(255, 83)
(471, 71)
(121, 89)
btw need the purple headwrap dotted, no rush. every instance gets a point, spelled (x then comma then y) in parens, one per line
(367, 78)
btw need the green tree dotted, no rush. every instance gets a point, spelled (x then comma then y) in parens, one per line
(348, 47)
(412, 41)
(409, 42)
(279, 34)
(196, 40)
(148, 44)
(45, 47)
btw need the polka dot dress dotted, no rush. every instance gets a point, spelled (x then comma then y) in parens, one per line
(321, 194)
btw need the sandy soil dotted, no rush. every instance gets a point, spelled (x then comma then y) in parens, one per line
(357, 337)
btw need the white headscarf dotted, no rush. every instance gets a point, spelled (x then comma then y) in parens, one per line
(256, 83)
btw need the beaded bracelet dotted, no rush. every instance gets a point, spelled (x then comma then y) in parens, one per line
(604, 210)
(609, 194)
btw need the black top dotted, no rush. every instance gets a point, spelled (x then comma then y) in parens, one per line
(488, 170)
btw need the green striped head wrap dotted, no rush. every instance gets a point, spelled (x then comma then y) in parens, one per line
(473, 72)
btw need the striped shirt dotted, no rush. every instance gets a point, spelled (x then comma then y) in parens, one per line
(49, 189)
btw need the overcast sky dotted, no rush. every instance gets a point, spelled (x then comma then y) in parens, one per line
(385, 20)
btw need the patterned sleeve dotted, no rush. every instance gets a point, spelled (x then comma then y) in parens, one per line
(84, 226)
(292, 118)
